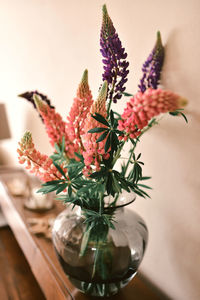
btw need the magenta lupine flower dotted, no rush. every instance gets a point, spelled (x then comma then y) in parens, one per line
(115, 64)
(144, 106)
(152, 67)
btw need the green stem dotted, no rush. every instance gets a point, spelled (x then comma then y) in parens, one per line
(129, 159)
(153, 122)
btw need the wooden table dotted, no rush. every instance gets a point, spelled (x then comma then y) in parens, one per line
(41, 258)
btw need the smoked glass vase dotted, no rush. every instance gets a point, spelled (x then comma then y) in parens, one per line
(105, 268)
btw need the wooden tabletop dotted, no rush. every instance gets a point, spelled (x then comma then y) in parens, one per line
(39, 253)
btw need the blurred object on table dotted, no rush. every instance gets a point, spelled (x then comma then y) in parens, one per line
(18, 184)
(41, 226)
(37, 201)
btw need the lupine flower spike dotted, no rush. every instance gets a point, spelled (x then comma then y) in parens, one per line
(115, 64)
(152, 67)
(78, 113)
(144, 106)
(93, 150)
(55, 126)
(39, 164)
(29, 97)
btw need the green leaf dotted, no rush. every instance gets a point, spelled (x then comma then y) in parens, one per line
(63, 144)
(97, 129)
(85, 241)
(59, 169)
(144, 186)
(98, 174)
(47, 189)
(112, 120)
(69, 190)
(57, 148)
(102, 137)
(145, 178)
(52, 182)
(184, 116)
(61, 188)
(100, 119)
(107, 144)
(127, 94)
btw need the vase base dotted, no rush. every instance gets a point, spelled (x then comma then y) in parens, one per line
(101, 289)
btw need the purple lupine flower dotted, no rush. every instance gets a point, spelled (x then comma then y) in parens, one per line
(29, 97)
(115, 64)
(152, 67)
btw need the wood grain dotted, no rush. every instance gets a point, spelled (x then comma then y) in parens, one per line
(16, 278)
(40, 254)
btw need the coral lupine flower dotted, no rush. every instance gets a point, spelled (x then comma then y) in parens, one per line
(29, 97)
(152, 67)
(115, 64)
(94, 151)
(39, 164)
(144, 106)
(55, 127)
(78, 113)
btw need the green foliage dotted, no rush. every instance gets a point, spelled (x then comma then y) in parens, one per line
(179, 112)
(110, 132)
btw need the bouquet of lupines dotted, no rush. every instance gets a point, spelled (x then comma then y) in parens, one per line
(90, 141)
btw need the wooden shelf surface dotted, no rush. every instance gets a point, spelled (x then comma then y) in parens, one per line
(41, 257)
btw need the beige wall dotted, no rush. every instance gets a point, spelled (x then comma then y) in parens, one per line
(47, 44)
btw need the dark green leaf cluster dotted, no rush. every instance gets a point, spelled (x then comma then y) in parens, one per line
(110, 132)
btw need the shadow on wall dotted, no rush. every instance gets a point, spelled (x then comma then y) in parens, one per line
(183, 233)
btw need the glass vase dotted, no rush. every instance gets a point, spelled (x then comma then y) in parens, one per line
(106, 267)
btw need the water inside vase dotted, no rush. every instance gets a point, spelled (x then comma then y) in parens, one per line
(95, 286)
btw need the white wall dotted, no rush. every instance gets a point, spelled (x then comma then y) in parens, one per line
(47, 44)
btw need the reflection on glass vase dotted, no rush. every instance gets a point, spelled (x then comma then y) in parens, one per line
(105, 267)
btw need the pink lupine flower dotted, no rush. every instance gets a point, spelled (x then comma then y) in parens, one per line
(55, 126)
(78, 113)
(144, 106)
(94, 151)
(39, 164)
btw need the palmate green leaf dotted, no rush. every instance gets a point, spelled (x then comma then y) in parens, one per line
(100, 119)
(184, 116)
(115, 184)
(48, 189)
(59, 169)
(61, 188)
(85, 240)
(97, 129)
(52, 182)
(109, 184)
(107, 144)
(114, 141)
(144, 186)
(98, 174)
(127, 94)
(145, 178)
(63, 144)
(102, 137)
(112, 119)
(57, 148)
